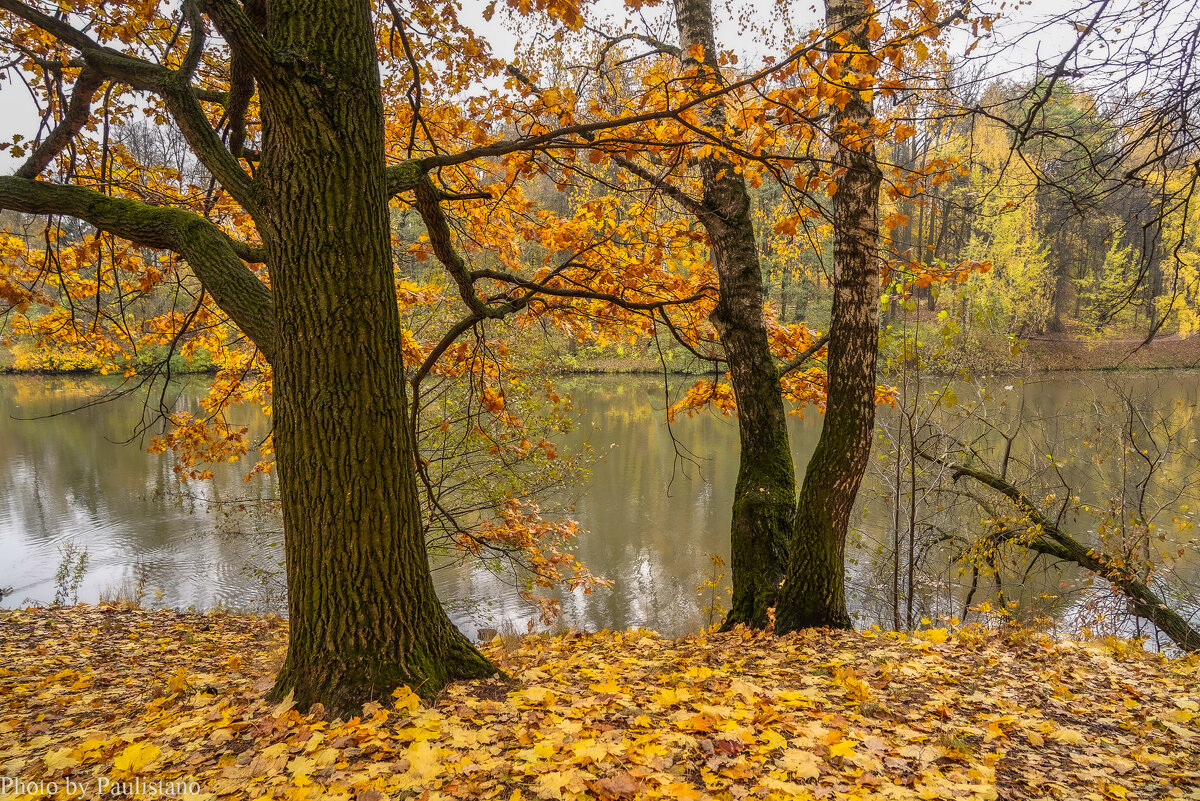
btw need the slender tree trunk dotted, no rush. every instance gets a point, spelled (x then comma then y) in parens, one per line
(814, 591)
(764, 497)
(896, 624)
(364, 617)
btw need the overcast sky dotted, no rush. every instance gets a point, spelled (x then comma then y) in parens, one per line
(18, 115)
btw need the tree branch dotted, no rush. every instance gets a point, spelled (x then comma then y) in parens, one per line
(72, 122)
(809, 352)
(1053, 541)
(239, 31)
(438, 227)
(213, 255)
(172, 86)
(585, 294)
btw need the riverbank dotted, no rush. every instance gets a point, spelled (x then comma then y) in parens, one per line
(992, 355)
(1065, 353)
(143, 701)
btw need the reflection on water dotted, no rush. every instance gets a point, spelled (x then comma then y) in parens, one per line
(654, 511)
(68, 476)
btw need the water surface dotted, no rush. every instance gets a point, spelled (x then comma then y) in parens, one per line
(654, 511)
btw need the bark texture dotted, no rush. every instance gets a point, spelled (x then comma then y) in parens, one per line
(764, 497)
(364, 617)
(813, 593)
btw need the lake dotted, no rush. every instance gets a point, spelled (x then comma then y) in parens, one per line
(652, 521)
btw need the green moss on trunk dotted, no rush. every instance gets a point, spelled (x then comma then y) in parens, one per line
(364, 617)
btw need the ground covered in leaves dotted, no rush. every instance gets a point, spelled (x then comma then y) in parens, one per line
(97, 702)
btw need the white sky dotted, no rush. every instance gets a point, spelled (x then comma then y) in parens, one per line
(18, 115)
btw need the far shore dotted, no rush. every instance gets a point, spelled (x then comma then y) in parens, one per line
(1038, 354)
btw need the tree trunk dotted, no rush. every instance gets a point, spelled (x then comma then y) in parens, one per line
(364, 617)
(764, 497)
(814, 591)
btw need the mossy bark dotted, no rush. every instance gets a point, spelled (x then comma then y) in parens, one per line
(764, 497)
(364, 617)
(813, 593)
(1050, 539)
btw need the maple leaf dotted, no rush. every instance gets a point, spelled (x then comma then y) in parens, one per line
(800, 763)
(136, 757)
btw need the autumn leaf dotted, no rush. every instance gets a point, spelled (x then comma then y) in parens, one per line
(136, 757)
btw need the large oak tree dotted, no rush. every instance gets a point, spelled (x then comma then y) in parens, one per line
(364, 617)
(286, 112)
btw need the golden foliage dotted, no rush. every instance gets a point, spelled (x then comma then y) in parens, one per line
(122, 695)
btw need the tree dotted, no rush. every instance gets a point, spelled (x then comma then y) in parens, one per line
(814, 591)
(764, 496)
(772, 131)
(364, 617)
(715, 194)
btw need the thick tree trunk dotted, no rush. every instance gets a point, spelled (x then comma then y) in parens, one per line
(364, 617)
(764, 498)
(814, 591)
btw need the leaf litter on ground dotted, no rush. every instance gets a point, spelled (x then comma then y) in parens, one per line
(149, 704)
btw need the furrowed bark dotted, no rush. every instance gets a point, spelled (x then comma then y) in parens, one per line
(364, 617)
(814, 591)
(764, 497)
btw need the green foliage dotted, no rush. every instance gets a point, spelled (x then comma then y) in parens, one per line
(72, 565)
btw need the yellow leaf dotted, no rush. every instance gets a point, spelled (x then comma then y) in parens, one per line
(178, 683)
(536, 696)
(552, 784)
(325, 757)
(423, 764)
(800, 763)
(842, 748)
(283, 706)
(136, 757)
(93, 744)
(60, 760)
(772, 739)
(934, 635)
(406, 699)
(301, 766)
(1070, 736)
(670, 697)
(609, 685)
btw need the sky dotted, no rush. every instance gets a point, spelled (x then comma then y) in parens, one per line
(18, 115)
